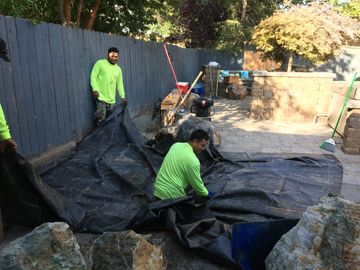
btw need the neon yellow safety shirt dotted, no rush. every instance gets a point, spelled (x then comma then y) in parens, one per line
(106, 78)
(179, 168)
(4, 128)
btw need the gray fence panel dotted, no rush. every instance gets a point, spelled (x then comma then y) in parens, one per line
(28, 53)
(85, 93)
(45, 91)
(60, 83)
(46, 85)
(72, 96)
(19, 87)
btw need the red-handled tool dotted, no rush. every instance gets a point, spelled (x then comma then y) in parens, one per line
(172, 69)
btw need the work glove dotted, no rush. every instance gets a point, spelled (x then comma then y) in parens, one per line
(211, 194)
(8, 143)
(123, 102)
(95, 94)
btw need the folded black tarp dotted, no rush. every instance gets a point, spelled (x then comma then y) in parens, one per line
(107, 185)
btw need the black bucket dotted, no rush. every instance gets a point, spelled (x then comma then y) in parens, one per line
(203, 107)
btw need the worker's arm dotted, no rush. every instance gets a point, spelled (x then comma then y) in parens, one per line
(120, 86)
(94, 79)
(4, 128)
(195, 180)
(5, 136)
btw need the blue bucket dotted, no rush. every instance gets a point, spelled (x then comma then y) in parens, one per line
(198, 89)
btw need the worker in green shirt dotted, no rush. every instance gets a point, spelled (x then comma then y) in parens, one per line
(5, 136)
(106, 77)
(181, 167)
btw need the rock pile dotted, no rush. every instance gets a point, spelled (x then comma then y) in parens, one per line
(326, 237)
(53, 246)
(50, 246)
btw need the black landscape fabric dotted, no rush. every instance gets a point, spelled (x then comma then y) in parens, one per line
(107, 185)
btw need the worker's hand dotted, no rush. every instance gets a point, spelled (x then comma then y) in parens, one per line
(7, 143)
(211, 194)
(95, 94)
(123, 102)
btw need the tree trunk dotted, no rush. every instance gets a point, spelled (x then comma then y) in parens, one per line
(67, 11)
(78, 14)
(92, 16)
(290, 62)
(243, 11)
(61, 11)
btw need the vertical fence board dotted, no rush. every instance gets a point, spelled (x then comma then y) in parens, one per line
(72, 76)
(38, 120)
(90, 57)
(46, 85)
(22, 73)
(60, 83)
(19, 86)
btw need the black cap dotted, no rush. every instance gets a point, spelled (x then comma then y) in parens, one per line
(3, 51)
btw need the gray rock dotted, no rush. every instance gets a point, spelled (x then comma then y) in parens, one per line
(237, 91)
(126, 250)
(187, 125)
(327, 237)
(51, 246)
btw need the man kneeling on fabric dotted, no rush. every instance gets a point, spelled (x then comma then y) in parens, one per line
(182, 167)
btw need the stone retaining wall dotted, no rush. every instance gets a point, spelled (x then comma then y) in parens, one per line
(293, 96)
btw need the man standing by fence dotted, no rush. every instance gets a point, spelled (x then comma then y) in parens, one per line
(5, 136)
(106, 77)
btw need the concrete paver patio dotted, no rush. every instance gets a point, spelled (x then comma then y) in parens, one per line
(240, 133)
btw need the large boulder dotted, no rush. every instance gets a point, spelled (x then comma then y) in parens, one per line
(326, 237)
(237, 91)
(186, 125)
(51, 246)
(126, 250)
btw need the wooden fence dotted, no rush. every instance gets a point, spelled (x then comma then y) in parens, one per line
(45, 90)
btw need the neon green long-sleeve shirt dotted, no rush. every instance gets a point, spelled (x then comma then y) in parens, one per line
(4, 128)
(179, 168)
(106, 78)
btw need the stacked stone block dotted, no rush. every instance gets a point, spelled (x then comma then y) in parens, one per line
(262, 103)
(289, 96)
(351, 142)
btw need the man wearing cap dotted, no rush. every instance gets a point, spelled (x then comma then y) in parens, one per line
(106, 77)
(5, 136)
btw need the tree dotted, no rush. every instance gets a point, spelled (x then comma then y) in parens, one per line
(351, 8)
(116, 16)
(235, 32)
(198, 20)
(231, 36)
(315, 32)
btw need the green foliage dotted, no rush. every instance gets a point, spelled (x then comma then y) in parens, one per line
(126, 17)
(37, 11)
(115, 16)
(217, 23)
(315, 32)
(231, 36)
(163, 24)
(351, 9)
